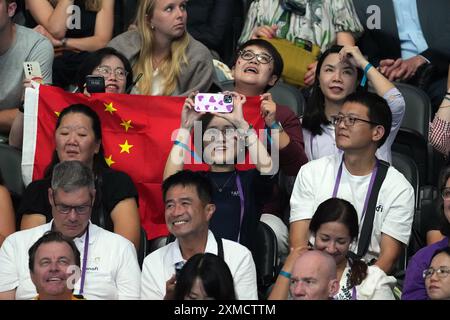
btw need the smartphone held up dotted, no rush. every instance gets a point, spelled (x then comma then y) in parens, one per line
(214, 102)
(95, 84)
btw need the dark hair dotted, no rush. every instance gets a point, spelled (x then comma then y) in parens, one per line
(314, 114)
(52, 236)
(99, 158)
(212, 271)
(278, 64)
(94, 59)
(342, 211)
(378, 110)
(444, 175)
(442, 250)
(189, 178)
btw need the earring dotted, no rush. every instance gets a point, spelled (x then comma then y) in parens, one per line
(152, 27)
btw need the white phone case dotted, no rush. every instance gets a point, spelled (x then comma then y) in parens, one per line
(32, 70)
(213, 102)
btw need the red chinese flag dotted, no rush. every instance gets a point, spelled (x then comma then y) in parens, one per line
(137, 138)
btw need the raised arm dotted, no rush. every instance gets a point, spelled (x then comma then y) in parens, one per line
(175, 159)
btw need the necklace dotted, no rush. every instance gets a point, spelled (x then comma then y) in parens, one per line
(220, 189)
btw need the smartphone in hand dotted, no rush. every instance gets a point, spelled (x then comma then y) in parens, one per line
(213, 102)
(32, 71)
(95, 84)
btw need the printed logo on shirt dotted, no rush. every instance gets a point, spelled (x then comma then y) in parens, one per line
(235, 193)
(379, 208)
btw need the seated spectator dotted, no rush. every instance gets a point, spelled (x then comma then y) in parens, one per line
(110, 268)
(28, 45)
(188, 208)
(436, 276)
(339, 72)
(410, 41)
(322, 23)
(205, 276)
(414, 285)
(210, 21)
(7, 216)
(439, 134)
(99, 63)
(362, 125)
(237, 194)
(74, 28)
(313, 277)
(78, 136)
(171, 61)
(334, 226)
(51, 259)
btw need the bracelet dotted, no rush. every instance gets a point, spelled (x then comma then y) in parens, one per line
(364, 78)
(185, 147)
(285, 274)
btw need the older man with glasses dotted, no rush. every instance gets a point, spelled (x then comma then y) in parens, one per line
(109, 267)
(382, 196)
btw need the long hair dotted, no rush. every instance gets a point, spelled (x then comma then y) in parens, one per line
(90, 5)
(342, 211)
(99, 162)
(170, 67)
(214, 273)
(314, 115)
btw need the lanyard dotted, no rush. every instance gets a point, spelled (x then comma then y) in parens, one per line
(85, 256)
(369, 190)
(354, 293)
(241, 198)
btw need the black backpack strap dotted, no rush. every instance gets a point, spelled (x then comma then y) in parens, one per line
(219, 246)
(367, 227)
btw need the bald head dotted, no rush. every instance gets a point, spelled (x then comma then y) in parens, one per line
(314, 277)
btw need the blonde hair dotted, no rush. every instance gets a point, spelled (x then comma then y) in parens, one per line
(170, 67)
(90, 5)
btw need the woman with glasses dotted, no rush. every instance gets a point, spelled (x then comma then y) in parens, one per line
(334, 226)
(414, 286)
(78, 136)
(437, 280)
(340, 72)
(109, 64)
(171, 61)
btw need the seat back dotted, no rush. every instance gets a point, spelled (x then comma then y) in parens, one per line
(408, 168)
(265, 257)
(143, 247)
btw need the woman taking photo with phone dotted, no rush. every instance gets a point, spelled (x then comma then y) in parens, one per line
(171, 61)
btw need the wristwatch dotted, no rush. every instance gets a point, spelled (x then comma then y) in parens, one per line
(277, 125)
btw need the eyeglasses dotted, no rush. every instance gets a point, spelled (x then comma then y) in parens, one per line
(441, 272)
(65, 209)
(445, 193)
(349, 121)
(105, 71)
(263, 58)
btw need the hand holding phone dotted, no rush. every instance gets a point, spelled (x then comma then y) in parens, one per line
(213, 102)
(95, 84)
(32, 71)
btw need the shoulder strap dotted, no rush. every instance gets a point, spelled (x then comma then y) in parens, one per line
(366, 230)
(219, 246)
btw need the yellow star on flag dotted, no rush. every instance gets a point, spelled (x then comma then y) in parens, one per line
(125, 147)
(57, 113)
(110, 108)
(126, 124)
(109, 161)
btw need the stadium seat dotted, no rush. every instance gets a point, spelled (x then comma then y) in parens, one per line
(265, 257)
(408, 167)
(412, 138)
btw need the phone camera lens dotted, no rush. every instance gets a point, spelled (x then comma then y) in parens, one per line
(227, 99)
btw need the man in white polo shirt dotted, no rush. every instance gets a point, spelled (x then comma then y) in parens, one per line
(109, 267)
(362, 125)
(188, 209)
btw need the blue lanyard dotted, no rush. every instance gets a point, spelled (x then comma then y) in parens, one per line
(242, 201)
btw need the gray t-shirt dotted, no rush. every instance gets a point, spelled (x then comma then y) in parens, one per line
(29, 45)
